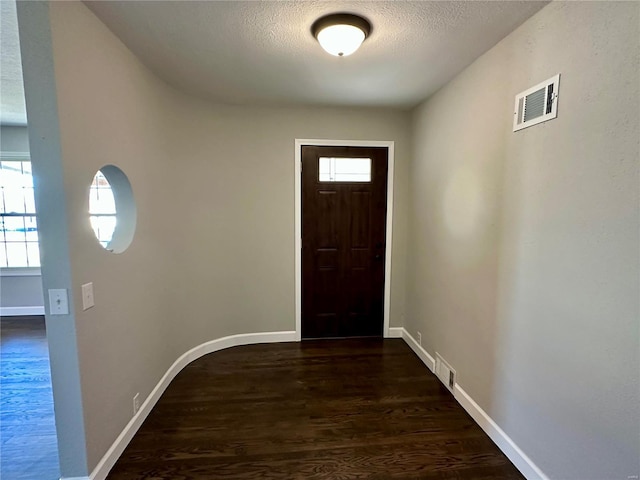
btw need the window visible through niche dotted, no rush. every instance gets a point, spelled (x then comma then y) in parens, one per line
(112, 209)
(102, 208)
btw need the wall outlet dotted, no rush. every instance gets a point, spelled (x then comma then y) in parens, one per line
(136, 403)
(419, 339)
(87, 296)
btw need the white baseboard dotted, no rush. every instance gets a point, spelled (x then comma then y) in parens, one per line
(18, 311)
(109, 459)
(501, 439)
(427, 359)
(520, 459)
(395, 332)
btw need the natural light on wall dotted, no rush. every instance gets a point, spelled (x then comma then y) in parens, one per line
(18, 228)
(463, 203)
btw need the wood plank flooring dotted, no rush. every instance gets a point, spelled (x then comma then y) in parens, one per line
(332, 409)
(28, 446)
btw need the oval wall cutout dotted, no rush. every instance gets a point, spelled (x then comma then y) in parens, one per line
(112, 209)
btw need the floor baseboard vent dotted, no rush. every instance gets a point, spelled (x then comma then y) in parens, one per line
(445, 373)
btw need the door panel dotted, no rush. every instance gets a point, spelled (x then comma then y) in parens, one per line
(327, 219)
(343, 240)
(360, 213)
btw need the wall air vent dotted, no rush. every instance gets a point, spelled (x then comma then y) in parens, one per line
(537, 104)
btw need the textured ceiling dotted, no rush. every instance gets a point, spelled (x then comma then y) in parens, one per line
(262, 52)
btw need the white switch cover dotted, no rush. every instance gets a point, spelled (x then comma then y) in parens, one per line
(87, 296)
(58, 301)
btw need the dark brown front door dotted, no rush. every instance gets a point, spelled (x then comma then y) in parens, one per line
(344, 204)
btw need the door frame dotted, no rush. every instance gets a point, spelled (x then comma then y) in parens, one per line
(298, 221)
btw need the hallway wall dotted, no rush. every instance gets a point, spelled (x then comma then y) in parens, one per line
(525, 267)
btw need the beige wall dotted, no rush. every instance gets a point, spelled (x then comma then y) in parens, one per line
(237, 232)
(213, 253)
(112, 110)
(524, 270)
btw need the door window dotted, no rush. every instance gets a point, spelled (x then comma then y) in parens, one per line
(344, 169)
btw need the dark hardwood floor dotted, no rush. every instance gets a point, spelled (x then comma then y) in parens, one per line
(333, 409)
(28, 446)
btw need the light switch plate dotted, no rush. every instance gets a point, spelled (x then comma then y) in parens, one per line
(87, 296)
(58, 301)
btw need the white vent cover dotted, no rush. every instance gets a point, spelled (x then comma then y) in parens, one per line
(444, 372)
(537, 104)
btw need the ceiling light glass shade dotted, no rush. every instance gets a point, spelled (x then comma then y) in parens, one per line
(341, 34)
(341, 40)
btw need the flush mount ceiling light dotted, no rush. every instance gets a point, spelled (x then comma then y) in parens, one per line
(341, 34)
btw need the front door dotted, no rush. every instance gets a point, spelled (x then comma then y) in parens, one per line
(344, 204)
